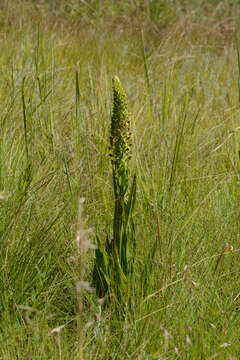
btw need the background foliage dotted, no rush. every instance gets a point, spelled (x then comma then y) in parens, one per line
(177, 61)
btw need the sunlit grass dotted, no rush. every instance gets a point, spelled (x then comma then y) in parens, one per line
(179, 68)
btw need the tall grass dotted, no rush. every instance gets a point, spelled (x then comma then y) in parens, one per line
(181, 78)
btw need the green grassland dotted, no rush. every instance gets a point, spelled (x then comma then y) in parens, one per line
(178, 63)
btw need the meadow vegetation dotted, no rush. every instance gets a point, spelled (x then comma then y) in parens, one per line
(178, 63)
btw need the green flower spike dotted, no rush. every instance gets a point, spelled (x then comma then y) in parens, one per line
(120, 139)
